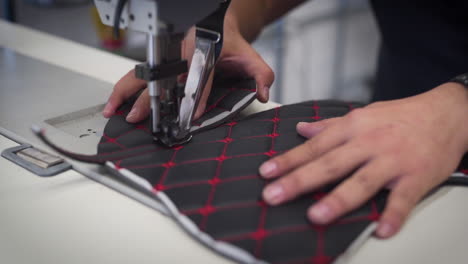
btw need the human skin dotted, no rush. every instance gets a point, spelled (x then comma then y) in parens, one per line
(243, 22)
(409, 145)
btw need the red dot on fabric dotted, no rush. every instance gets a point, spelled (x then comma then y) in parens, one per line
(270, 153)
(140, 127)
(373, 216)
(119, 113)
(316, 117)
(321, 260)
(319, 195)
(221, 158)
(117, 165)
(207, 210)
(111, 140)
(233, 123)
(214, 181)
(273, 135)
(259, 234)
(275, 120)
(160, 187)
(227, 140)
(169, 164)
(178, 147)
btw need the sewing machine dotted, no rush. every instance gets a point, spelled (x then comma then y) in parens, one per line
(79, 216)
(166, 23)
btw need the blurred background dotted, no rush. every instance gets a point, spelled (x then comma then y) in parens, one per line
(323, 49)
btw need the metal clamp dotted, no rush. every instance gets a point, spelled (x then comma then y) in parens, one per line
(12, 155)
(203, 61)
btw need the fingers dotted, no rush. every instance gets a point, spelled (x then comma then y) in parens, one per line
(312, 129)
(329, 167)
(140, 109)
(403, 198)
(353, 192)
(264, 77)
(241, 58)
(123, 89)
(331, 137)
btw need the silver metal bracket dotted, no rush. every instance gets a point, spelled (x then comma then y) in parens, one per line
(203, 61)
(36, 161)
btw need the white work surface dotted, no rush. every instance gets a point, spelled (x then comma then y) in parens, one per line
(72, 219)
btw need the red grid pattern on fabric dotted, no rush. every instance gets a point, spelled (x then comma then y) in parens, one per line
(214, 180)
(261, 232)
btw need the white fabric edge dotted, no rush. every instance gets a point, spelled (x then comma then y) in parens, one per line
(352, 249)
(459, 175)
(241, 103)
(225, 249)
(139, 182)
(230, 251)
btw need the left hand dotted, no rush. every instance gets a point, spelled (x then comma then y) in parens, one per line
(237, 59)
(409, 145)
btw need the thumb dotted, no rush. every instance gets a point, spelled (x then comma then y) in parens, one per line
(263, 75)
(241, 58)
(309, 130)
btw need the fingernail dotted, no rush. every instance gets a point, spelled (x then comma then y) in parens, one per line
(385, 230)
(132, 115)
(107, 110)
(273, 194)
(301, 125)
(320, 213)
(267, 169)
(308, 130)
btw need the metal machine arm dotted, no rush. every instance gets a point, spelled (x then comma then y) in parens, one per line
(166, 23)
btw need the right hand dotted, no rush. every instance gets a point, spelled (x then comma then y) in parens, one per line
(237, 58)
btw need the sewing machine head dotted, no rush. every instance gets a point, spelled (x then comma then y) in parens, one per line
(166, 22)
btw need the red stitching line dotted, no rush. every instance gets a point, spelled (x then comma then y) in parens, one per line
(222, 207)
(261, 233)
(113, 140)
(216, 179)
(204, 142)
(194, 161)
(320, 256)
(211, 107)
(238, 178)
(160, 186)
(316, 108)
(127, 150)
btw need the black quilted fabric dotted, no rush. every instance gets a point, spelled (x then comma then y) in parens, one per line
(214, 180)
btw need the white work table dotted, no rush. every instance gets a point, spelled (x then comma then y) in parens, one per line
(69, 218)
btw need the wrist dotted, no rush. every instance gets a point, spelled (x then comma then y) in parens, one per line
(231, 23)
(453, 97)
(246, 18)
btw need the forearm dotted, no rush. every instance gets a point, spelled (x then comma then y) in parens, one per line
(462, 92)
(250, 16)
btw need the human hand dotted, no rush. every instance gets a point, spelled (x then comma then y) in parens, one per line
(409, 145)
(237, 58)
